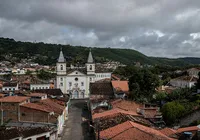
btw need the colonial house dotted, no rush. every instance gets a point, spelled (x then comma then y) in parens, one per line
(37, 96)
(75, 81)
(11, 107)
(101, 93)
(10, 87)
(35, 86)
(183, 81)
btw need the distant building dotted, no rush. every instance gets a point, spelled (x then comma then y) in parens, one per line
(10, 87)
(40, 86)
(121, 88)
(183, 81)
(76, 81)
(193, 72)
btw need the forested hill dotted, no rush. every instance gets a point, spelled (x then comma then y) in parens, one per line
(48, 53)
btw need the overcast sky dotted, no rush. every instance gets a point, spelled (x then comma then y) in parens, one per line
(163, 28)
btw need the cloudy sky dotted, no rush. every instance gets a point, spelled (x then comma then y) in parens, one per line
(163, 28)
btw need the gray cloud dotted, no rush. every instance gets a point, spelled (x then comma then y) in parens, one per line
(154, 27)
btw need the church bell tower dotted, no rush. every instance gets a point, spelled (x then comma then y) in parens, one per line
(61, 64)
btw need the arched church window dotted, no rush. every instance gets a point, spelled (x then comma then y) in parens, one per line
(90, 67)
(61, 67)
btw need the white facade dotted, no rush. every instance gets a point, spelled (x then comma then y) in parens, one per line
(39, 86)
(183, 81)
(10, 88)
(100, 76)
(75, 82)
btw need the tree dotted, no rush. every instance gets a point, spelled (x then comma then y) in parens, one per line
(179, 94)
(143, 84)
(160, 96)
(44, 75)
(172, 111)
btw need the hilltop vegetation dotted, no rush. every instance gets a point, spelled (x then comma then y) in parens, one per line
(44, 53)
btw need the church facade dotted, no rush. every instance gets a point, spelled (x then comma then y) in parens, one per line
(76, 81)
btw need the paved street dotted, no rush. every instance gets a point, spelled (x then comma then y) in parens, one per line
(77, 127)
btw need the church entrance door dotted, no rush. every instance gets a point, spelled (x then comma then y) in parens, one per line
(76, 94)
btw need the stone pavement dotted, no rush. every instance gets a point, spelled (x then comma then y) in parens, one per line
(77, 126)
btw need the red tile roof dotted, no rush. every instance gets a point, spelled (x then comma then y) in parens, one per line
(36, 94)
(14, 99)
(149, 112)
(37, 107)
(133, 131)
(113, 112)
(126, 105)
(46, 105)
(51, 104)
(168, 131)
(120, 86)
(188, 129)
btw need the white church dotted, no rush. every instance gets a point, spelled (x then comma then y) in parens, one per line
(75, 81)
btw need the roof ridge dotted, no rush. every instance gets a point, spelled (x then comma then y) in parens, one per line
(148, 132)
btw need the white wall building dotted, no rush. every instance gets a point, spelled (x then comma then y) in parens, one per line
(76, 81)
(183, 81)
(10, 87)
(40, 86)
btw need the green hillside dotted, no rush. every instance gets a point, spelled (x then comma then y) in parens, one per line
(48, 53)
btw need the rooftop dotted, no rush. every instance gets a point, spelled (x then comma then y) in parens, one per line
(14, 99)
(11, 133)
(36, 106)
(9, 84)
(120, 86)
(50, 92)
(113, 112)
(54, 106)
(133, 131)
(126, 105)
(186, 78)
(102, 88)
(188, 129)
(168, 131)
(36, 95)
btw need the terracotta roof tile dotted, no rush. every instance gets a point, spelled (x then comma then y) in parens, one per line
(51, 104)
(133, 131)
(113, 112)
(36, 94)
(14, 99)
(37, 107)
(126, 105)
(46, 105)
(102, 88)
(188, 129)
(168, 131)
(113, 131)
(120, 86)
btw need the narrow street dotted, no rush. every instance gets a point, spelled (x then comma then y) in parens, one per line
(77, 126)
